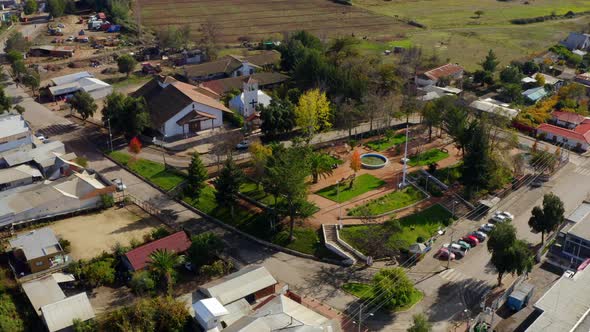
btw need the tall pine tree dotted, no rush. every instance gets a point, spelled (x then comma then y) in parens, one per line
(228, 184)
(197, 175)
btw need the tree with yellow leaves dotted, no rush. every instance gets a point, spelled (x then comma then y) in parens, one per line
(540, 79)
(312, 113)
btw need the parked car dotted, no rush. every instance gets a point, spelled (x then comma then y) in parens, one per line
(536, 184)
(498, 218)
(464, 245)
(472, 240)
(243, 145)
(455, 249)
(70, 38)
(501, 216)
(41, 137)
(119, 184)
(479, 235)
(487, 227)
(444, 253)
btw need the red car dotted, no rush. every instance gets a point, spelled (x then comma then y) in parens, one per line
(472, 240)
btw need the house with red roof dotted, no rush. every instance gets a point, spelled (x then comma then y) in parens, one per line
(450, 71)
(567, 119)
(577, 138)
(138, 258)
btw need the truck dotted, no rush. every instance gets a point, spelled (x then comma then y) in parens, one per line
(519, 298)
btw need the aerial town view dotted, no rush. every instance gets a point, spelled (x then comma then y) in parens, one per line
(295, 165)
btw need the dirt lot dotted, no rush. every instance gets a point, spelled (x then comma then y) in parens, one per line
(262, 18)
(93, 233)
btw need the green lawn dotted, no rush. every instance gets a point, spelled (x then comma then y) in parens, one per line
(392, 201)
(250, 189)
(122, 81)
(153, 171)
(428, 157)
(422, 224)
(362, 184)
(306, 239)
(365, 293)
(383, 144)
(449, 175)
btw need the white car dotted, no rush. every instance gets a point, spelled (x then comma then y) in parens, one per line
(455, 249)
(482, 234)
(70, 38)
(243, 145)
(119, 184)
(498, 218)
(41, 137)
(505, 214)
(487, 227)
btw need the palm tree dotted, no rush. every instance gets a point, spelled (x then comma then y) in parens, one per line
(163, 262)
(321, 165)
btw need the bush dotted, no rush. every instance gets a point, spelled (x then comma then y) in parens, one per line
(65, 245)
(235, 119)
(107, 201)
(142, 282)
(82, 161)
(420, 239)
(217, 269)
(86, 326)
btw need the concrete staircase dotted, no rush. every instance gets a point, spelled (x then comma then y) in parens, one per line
(339, 247)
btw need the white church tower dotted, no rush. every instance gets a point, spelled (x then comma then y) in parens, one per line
(250, 94)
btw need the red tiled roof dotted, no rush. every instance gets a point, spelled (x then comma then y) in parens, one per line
(446, 70)
(568, 117)
(139, 257)
(581, 133)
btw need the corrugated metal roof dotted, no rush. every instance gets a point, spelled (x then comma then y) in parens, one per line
(70, 78)
(42, 292)
(60, 315)
(36, 243)
(139, 257)
(240, 284)
(19, 172)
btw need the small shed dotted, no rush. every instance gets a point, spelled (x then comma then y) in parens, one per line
(251, 283)
(61, 315)
(208, 312)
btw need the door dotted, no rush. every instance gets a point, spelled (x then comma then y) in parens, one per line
(194, 126)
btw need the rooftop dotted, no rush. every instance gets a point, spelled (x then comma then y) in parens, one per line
(61, 314)
(443, 71)
(87, 84)
(224, 85)
(565, 304)
(12, 124)
(43, 291)
(535, 94)
(139, 257)
(493, 106)
(581, 218)
(570, 117)
(580, 133)
(229, 63)
(43, 154)
(240, 284)
(70, 78)
(19, 172)
(37, 243)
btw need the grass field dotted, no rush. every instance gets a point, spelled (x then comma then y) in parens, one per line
(455, 32)
(392, 201)
(422, 224)
(428, 157)
(153, 171)
(362, 184)
(262, 19)
(365, 293)
(384, 143)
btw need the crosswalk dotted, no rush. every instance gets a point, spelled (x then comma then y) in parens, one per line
(473, 290)
(582, 170)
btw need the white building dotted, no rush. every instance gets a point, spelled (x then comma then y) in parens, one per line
(208, 313)
(83, 81)
(246, 102)
(178, 109)
(494, 107)
(14, 132)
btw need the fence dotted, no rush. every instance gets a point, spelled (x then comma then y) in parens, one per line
(150, 209)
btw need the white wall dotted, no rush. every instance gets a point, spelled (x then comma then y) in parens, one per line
(171, 128)
(101, 93)
(244, 70)
(572, 143)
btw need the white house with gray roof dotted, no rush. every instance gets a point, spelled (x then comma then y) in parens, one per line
(14, 132)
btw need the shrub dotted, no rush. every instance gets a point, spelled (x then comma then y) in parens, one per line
(82, 161)
(235, 119)
(65, 245)
(159, 233)
(107, 201)
(84, 326)
(142, 282)
(216, 269)
(420, 239)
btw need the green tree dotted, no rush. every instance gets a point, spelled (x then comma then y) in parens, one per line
(421, 324)
(128, 115)
(17, 71)
(228, 184)
(511, 93)
(148, 315)
(126, 64)
(84, 104)
(511, 74)
(5, 101)
(312, 113)
(277, 118)
(16, 41)
(541, 160)
(30, 7)
(320, 165)
(530, 67)
(197, 175)
(547, 218)
(259, 154)
(479, 13)
(84, 326)
(142, 282)
(431, 117)
(477, 162)
(491, 62)
(19, 109)
(99, 272)
(163, 263)
(56, 8)
(13, 56)
(455, 122)
(285, 176)
(205, 249)
(394, 285)
(32, 80)
(509, 255)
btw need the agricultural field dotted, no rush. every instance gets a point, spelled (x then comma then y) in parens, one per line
(261, 19)
(454, 31)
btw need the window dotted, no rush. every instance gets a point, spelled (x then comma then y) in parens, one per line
(40, 263)
(251, 71)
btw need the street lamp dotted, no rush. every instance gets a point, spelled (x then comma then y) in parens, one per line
(405, 169)
(454, 202)
(339, 204)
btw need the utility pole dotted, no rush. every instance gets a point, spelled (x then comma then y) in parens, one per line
(360, 316)
(449, 252)
(110, 134)
(339, 204)
(405, 169)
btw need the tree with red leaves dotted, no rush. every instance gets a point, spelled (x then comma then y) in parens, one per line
(135, 146)
(355, 164)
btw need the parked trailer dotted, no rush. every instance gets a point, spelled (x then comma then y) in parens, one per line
(520, 297)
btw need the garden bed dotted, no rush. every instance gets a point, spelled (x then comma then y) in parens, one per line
(428, 157)
(365, 293)
(420, 225)
(385, 143)
(392, 201)
(362, 184)
(156, 173)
